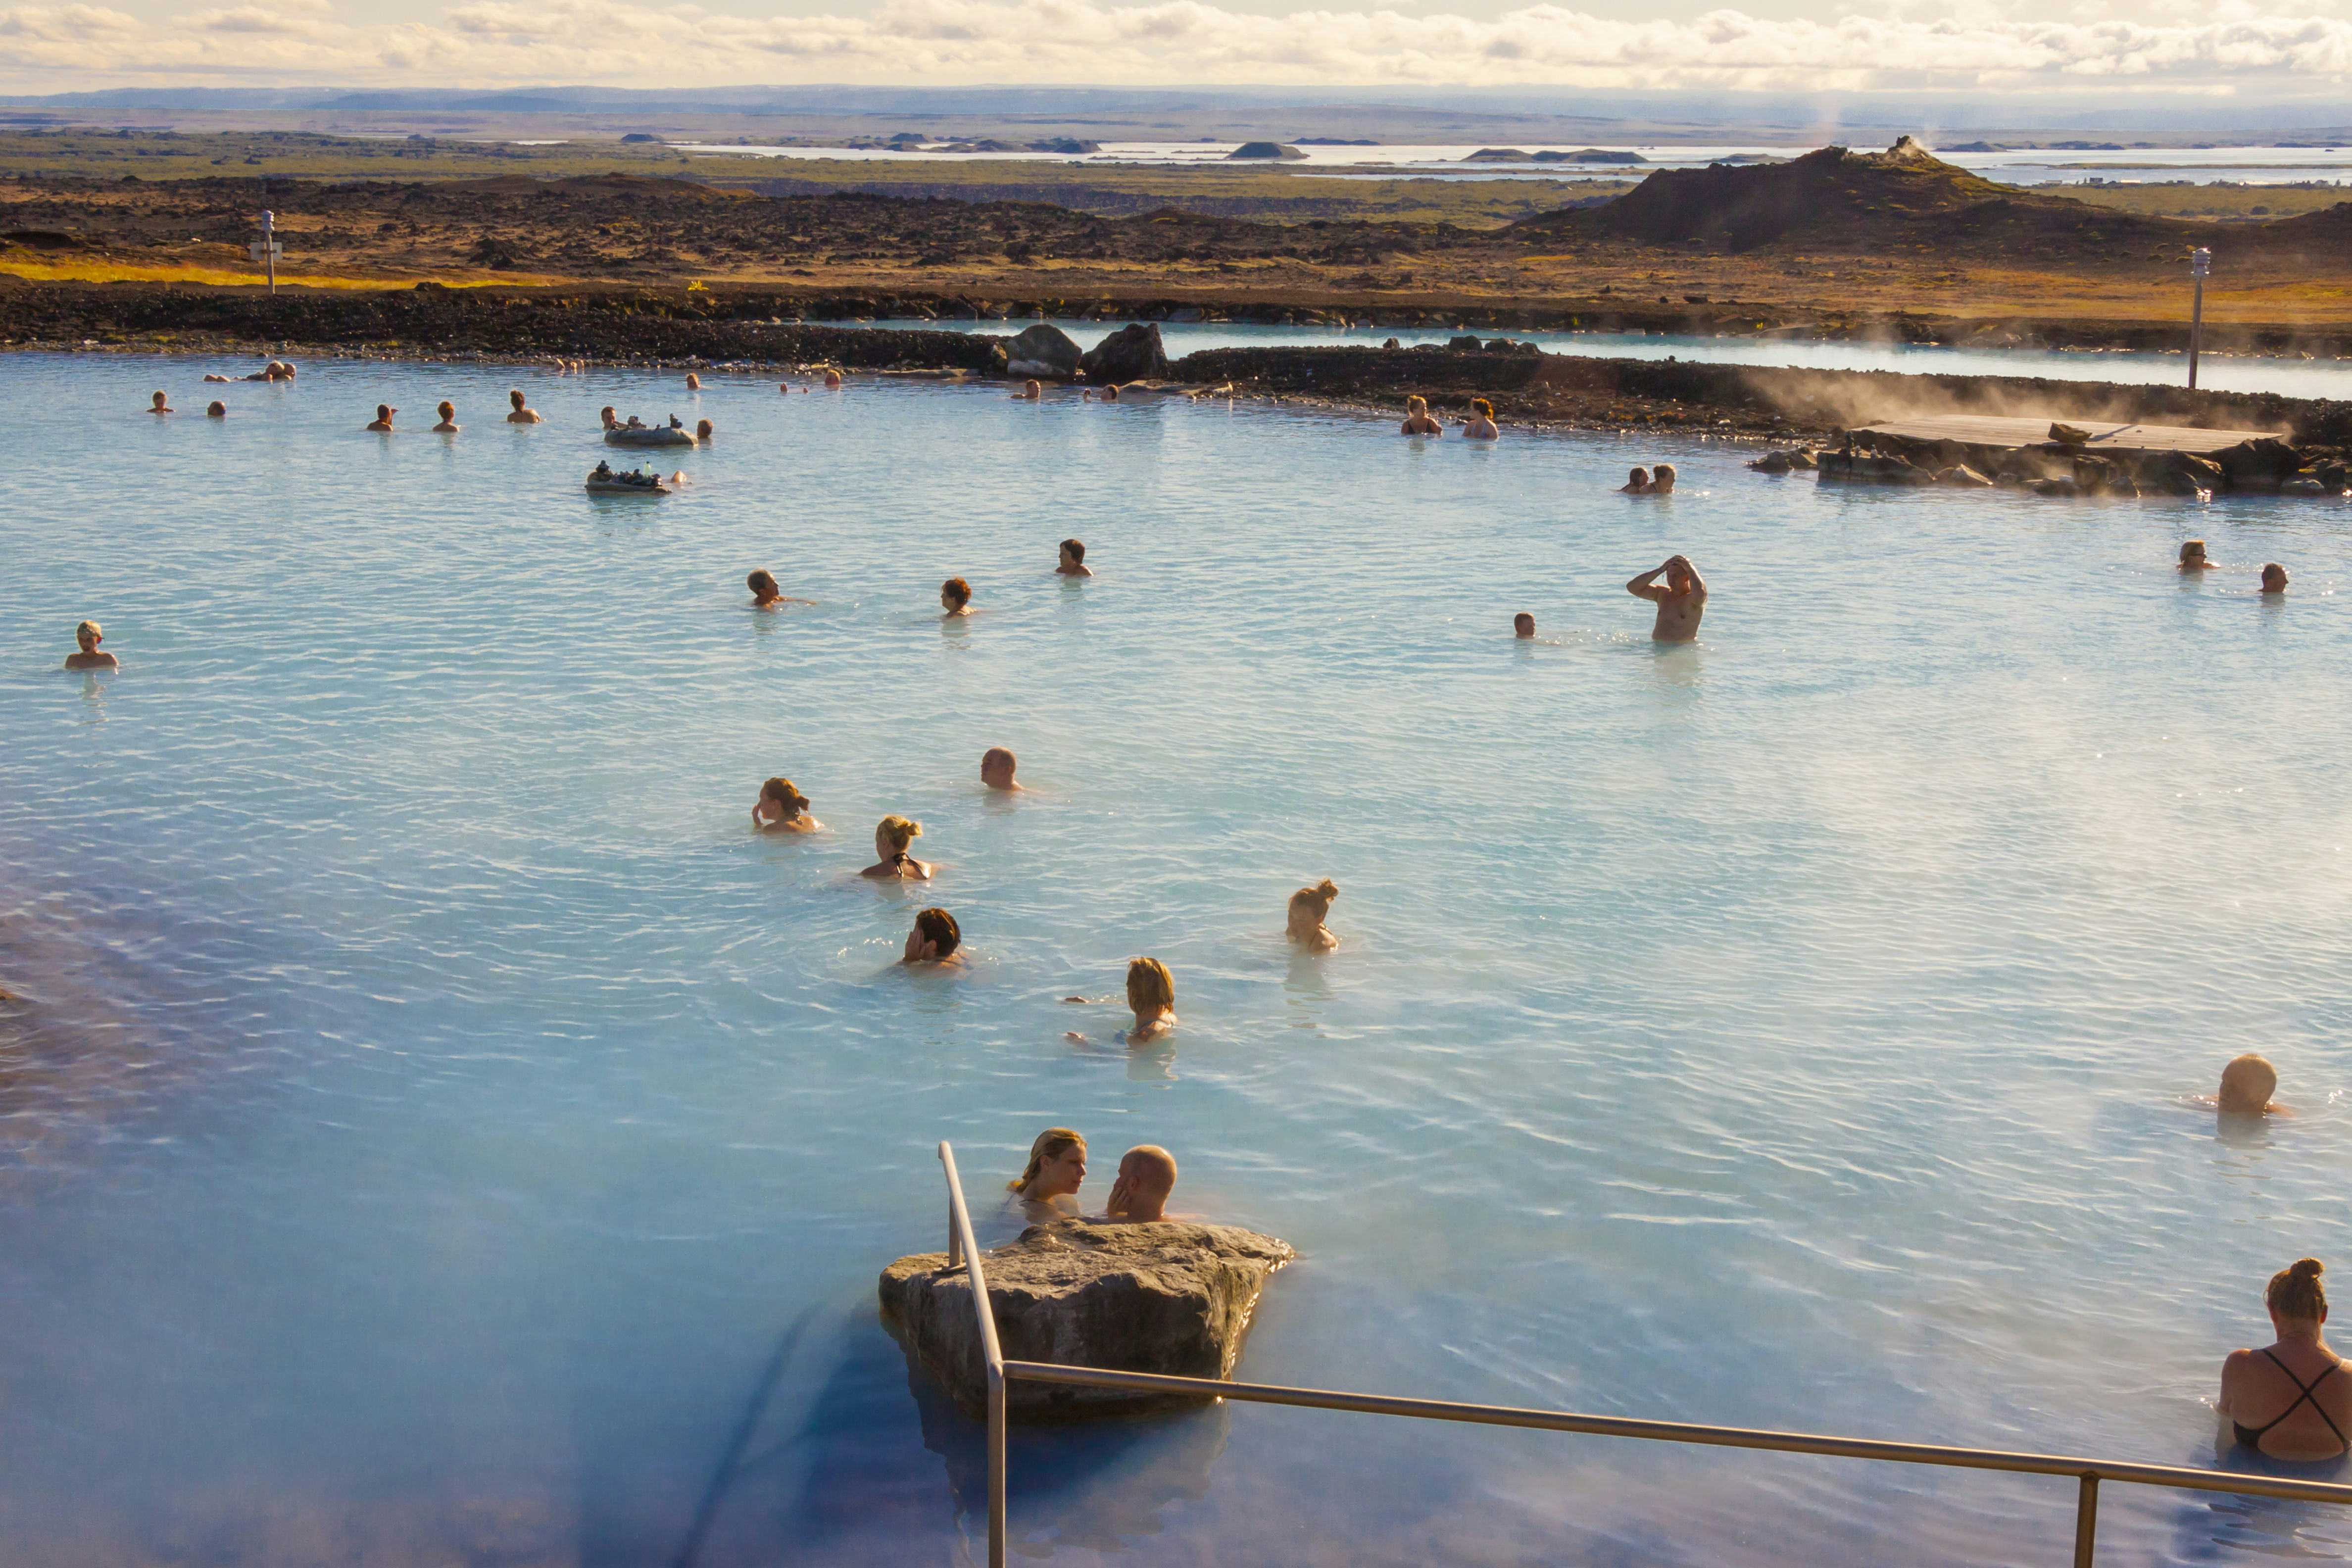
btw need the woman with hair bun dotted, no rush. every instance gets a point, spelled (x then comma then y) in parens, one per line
(891, 836)
(1047, 1187)
(1307, 908)
(782, 806)
(2287, 1401)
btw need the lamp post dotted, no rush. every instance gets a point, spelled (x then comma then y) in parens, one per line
(2200, 262)
(269, 251)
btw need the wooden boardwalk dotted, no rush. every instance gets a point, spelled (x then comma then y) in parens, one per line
(1984, 430)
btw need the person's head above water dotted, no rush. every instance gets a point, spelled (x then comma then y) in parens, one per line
(1147, 1175)
(2295, 1296)
(996, 765)
(2274, 578)
(1149, 987)
(515, 397)
(447, 409)
(955, 594)
(2247, 1085)
(702, 429)
(89, 637)
(934, 937)
(1637, 479)
(833, 378)
(2192, 553)
(789, 801)
(1416, 403)
(762, 583)
(1662, 479)
(1523, 625)
(158, 401)
(1308, 906)
(216, 410)
(1482, 408)
(1074, 553)
(1057, 1164)
(893, 834)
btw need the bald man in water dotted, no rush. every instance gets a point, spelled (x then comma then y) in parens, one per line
(1146, 1175)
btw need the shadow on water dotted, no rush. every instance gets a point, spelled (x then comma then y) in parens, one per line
(2218, 1525)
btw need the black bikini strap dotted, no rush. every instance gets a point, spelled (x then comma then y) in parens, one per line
(2307, 1392)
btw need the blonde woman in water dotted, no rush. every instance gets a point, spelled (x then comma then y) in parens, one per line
(1308, 906)
(891, 836)
(1151, 992)
(1047, 1188)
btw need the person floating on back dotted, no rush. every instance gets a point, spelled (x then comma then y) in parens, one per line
(160, 404)
(383, 420)
(2194, 559)
(783, 808)
(2247, 1084)
(996, 765)
(1047, 1187)
(89, 657)
(955, 598)
(1681, 599)
(1637, 483)
(521, 416)
(2293, 1399)
(448, 426)
(1151, 992)
(1523, 625)
(891, 836)
(2274, 578)
(1308, 906)
(1138, 1195)
(934, 939)
(1417, 421)
(1480, 426)
(1072, 563)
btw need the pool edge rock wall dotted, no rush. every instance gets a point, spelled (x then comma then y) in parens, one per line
(1173, 1298)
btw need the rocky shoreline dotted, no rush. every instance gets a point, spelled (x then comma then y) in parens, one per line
(760, 332)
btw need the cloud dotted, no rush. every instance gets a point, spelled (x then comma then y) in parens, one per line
(487, 43)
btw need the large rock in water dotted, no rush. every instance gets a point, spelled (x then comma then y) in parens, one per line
(1171, 1297)
(1042, 350)
(1133, 352)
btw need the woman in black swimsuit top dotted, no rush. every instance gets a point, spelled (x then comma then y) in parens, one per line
(2311, 1423)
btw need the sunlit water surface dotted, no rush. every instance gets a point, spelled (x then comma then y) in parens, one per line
(439, 1129)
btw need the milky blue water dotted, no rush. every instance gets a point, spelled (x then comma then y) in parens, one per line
(439, 1129)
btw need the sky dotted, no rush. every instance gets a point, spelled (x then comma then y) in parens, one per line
(2231, 51)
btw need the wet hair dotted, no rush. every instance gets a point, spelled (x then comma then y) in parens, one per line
(999, 754)
(515, 397)
(1317, 897)
(1075, 548)
(216, 408)
(1664, 476)
(899, 831)
(959, 590)
(2295, 1293)
(761, 581)
(159, 400)
(2272, 569)
(90, 626)
(939, 928)
(1416, 403)
(383, 410)
(1522, 621)
(1052, 1145)
(1481, 407)
(702, 428)
(1638, 477)
(2194, 550)
(1148, 983)
(447, 409)
(781, 789)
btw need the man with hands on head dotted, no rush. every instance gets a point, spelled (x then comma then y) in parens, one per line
(1681, 599)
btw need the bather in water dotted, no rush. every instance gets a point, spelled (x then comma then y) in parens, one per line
(1047, 1188)
(891, 836)
(1151, 992)
(521, 416)
(1480, 426)
(2194, 559)
(88, 636)
(1308, 906)
(996, 765)
(955, 598)
(1417, 421)
(936, 938)
(2291, 1400)
(766, 594)
(1139, 1195)
(782, 807)
(1072, 562)
(448, 426)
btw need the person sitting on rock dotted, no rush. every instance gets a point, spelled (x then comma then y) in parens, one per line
(89, 657)
(1139, 1195)
(448, 426)
(216, 410)
(1480, 426)
(1417, 421)
(934, 939)
(2247, 1084)
(891, 836)
(1072, 563)
(782, 807)
(1662, 480)
(1047, 1187)
(1681, 599)
(1523, 625)
(996, 765)
(382, 421)
(1151, 992)
(521, 416)
(2274, 578)
(160, 404)
(1308, 906)
(1637, 483)
(2194, 559)
(955, 598)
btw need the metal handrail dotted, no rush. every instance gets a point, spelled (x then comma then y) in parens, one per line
(2089, 1472)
